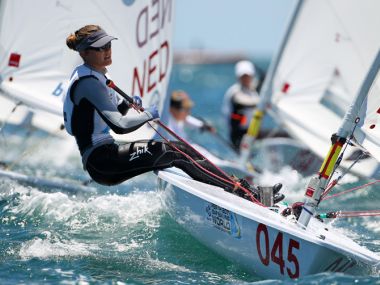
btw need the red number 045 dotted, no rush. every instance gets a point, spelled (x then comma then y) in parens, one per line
(276, 254)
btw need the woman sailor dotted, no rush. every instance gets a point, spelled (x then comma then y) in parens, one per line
(91, 109)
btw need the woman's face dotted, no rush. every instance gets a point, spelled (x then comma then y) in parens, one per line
(180, 114)
(98, 58)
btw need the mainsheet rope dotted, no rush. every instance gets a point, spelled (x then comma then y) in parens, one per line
(349, 214)
(340, 158)
(112, 85)
(335, 181)
(351, 190)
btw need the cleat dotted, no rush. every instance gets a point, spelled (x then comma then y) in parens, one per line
(270, 196)
(276, 188)
(278, 198)
(266, 195)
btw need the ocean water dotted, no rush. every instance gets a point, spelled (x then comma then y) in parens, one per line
(122, 235)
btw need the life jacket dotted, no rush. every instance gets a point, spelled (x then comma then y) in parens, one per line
(240, 115)
(78, 74)
(239, 119)
(92, 131)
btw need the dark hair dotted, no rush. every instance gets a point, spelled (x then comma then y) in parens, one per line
(73, 40)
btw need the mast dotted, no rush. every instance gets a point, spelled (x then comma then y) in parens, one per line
(317, 184)
(265, 94)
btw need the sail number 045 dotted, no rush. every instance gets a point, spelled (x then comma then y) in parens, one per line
(274, 253)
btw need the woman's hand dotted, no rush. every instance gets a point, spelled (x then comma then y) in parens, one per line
(153, 111)
(137, 101)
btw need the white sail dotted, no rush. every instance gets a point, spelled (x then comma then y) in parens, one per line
(37, 64)
(363, 116)
(360, 125)
(323, 63)
(368, 135)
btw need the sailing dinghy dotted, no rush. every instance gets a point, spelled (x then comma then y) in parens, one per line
(266, 240)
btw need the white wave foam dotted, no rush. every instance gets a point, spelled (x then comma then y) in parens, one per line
(61, 207)
(120, 223)
(294, 184)
(125, 247)
(374, 226)
(53, 246)
(155, 264)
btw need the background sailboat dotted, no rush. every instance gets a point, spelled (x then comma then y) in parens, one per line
(318, 70)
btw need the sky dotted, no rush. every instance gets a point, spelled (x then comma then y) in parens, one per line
(254, 27)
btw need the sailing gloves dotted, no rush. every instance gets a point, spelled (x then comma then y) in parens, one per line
(137, 101)
(153, 111)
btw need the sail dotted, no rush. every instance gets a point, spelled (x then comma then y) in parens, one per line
(363, 117)
(37, 63)
(369, 135)
(324, 61)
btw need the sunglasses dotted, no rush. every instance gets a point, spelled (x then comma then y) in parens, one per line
(182, 109)
(103, 48)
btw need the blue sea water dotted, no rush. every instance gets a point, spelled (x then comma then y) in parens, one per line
(122, 235)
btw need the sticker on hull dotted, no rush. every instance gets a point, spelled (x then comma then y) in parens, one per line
(223, 220)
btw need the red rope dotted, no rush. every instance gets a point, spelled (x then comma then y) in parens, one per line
(328, 189)
(350, 190)
(230, 181)
(350, 214)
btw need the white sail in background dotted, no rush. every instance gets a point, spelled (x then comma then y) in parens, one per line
(36, 63)
(324, 61)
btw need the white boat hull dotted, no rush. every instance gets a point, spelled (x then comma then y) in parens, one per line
(257, 238)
